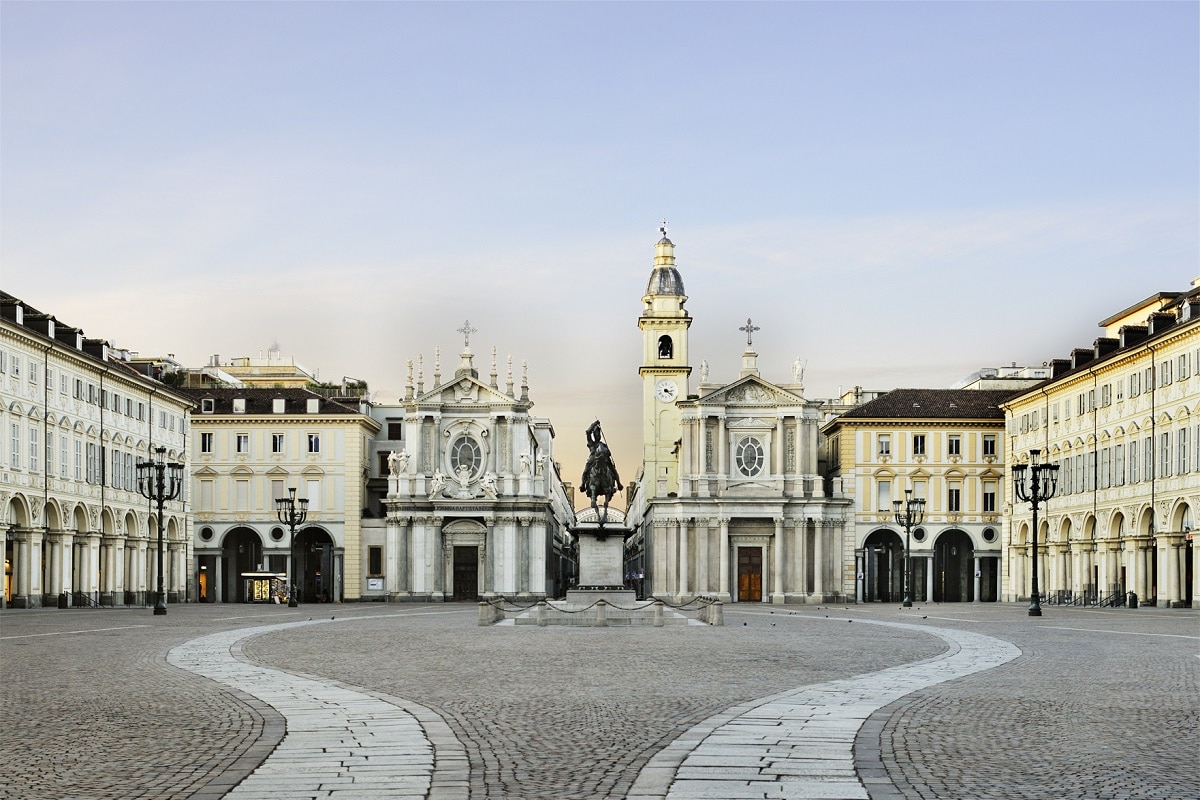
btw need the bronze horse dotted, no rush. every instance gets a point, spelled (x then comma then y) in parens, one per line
(600, 477)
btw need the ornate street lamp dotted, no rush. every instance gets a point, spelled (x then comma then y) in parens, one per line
(160, 480)
(292, 516)
(1043, 482)
(909, 514)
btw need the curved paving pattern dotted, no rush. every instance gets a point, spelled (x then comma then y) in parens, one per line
(800, 744)
(340, 743)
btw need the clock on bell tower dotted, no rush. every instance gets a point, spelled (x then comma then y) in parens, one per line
(664, 324)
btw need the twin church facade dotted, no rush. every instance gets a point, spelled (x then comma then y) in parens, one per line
(749, 491)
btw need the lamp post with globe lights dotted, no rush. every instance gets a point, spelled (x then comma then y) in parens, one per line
(1043, 481)
(909, 513)
(292, 512)
(160, 480)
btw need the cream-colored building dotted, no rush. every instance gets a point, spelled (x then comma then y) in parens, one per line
(730, 502)
(1121, 419)
(467, 501)
(250, 446)
(946, 446)
(75, 419)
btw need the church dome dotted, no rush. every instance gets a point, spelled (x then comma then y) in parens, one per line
(665, 278)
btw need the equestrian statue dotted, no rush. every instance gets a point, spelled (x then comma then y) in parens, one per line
(600, 477)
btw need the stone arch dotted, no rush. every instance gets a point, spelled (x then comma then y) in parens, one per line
(17, 512)
(52, 514)
(79, 518)
(1181, 517)
(953, 567)
(883, 566)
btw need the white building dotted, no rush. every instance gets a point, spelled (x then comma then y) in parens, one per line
(76, 417)
(467, 500)
(1121, 419)
(730, 502)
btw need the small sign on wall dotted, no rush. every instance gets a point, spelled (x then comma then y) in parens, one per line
(374, 584)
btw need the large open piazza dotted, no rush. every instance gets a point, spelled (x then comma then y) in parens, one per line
(374, 700)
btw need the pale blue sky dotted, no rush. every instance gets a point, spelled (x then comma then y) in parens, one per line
(899, 193)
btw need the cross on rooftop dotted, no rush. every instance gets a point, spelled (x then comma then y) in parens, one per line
(663, 228)
(749, 328)
(466, 330)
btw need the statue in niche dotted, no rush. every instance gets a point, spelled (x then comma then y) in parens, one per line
(487, 485)
(526, 464)
(398, 462)
(600, 478)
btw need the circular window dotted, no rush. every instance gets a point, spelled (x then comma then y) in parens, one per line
(465, 452)
(749, 456)
(919, 534)
(989, 534)
(206, 534)
(277, 533)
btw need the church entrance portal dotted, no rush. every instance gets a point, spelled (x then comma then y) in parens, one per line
(466, 573)
(749, 574)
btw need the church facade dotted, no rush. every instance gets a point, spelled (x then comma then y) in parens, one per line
(466, 500)
(730, 502)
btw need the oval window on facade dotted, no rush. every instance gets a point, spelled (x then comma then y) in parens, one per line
(464, 451)
(749, 457)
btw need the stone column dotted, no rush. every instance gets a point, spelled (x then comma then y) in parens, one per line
(723, 560)
(819, 562)
(686, 470)
(1174, 583)
(929, 578)
(684, 584)
(975, 596)
(777, 549)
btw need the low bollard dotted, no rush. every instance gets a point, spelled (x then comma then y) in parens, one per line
(541, 614)
(487, 615)
(658, 613)
(601, 613)
(716, 614)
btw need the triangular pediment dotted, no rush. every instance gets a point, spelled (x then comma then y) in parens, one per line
(751, 391)
(464, 390)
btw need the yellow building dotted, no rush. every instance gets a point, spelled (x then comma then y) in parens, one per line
(1121, 419)
(946, 447)
(249, 448)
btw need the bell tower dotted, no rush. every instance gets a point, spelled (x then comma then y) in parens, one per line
(664, 324)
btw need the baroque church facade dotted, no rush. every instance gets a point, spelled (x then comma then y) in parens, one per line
(730, 502)
(467, 502)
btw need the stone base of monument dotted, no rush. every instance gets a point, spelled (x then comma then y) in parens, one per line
(601, 598)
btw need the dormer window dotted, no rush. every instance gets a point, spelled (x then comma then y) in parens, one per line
(206, 405)
(666, 347)
(239, 405)
(279, 405)
(314, 405)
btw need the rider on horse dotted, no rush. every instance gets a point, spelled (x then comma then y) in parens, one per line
(600, 477)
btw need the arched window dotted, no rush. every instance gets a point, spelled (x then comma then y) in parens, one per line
(666, 348)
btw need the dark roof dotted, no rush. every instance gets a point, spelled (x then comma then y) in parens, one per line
(262, 401)
(665, 280)
(935, 404)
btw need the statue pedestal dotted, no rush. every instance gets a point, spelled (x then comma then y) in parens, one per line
(601, 566)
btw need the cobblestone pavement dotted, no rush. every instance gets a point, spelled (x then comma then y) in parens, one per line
(1100, 703)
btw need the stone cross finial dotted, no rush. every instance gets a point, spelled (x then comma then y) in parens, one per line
(466, 330)
(749, 328)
